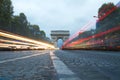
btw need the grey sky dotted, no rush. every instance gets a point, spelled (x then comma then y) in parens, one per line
(59, 14)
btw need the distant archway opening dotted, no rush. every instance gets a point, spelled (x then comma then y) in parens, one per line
(58, 35)
(59, 43)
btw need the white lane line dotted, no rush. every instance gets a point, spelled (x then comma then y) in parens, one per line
(64, 73)
(9, 60)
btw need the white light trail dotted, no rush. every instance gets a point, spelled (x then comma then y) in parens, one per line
(17, 37)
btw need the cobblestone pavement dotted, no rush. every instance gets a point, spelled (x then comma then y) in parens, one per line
(26, 65)
(92, 65)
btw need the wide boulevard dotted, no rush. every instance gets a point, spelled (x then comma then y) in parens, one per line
(59, 65)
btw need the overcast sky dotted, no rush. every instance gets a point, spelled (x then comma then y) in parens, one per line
(59, 14)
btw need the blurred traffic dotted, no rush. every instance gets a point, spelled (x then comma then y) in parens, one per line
(16, 42)
(105, 36)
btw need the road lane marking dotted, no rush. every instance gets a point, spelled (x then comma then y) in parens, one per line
(64, 73)
(19, 58)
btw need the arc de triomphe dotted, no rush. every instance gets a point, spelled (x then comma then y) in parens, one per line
(59, 34)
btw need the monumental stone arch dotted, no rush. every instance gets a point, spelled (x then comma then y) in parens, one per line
(59, 34)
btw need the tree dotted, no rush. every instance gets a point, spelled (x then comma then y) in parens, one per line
(20, 25)
(35, 30)
(110, 21)
(43, 34)
(24, 24)
(6, 12)
(105, 8)
(17, 24)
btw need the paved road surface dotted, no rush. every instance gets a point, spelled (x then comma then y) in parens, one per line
(40, 65)
(92, 65)
(26, 65)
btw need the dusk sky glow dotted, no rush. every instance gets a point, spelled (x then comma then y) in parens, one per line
(59, 14)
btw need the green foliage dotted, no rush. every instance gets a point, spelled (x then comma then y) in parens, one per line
(18, 24)
(6, 11)
(21, 26)
(105, 8)
(35, 27)
(43, 34)
(111, 20)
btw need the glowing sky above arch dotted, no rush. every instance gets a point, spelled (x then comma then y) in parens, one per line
(59, 14)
